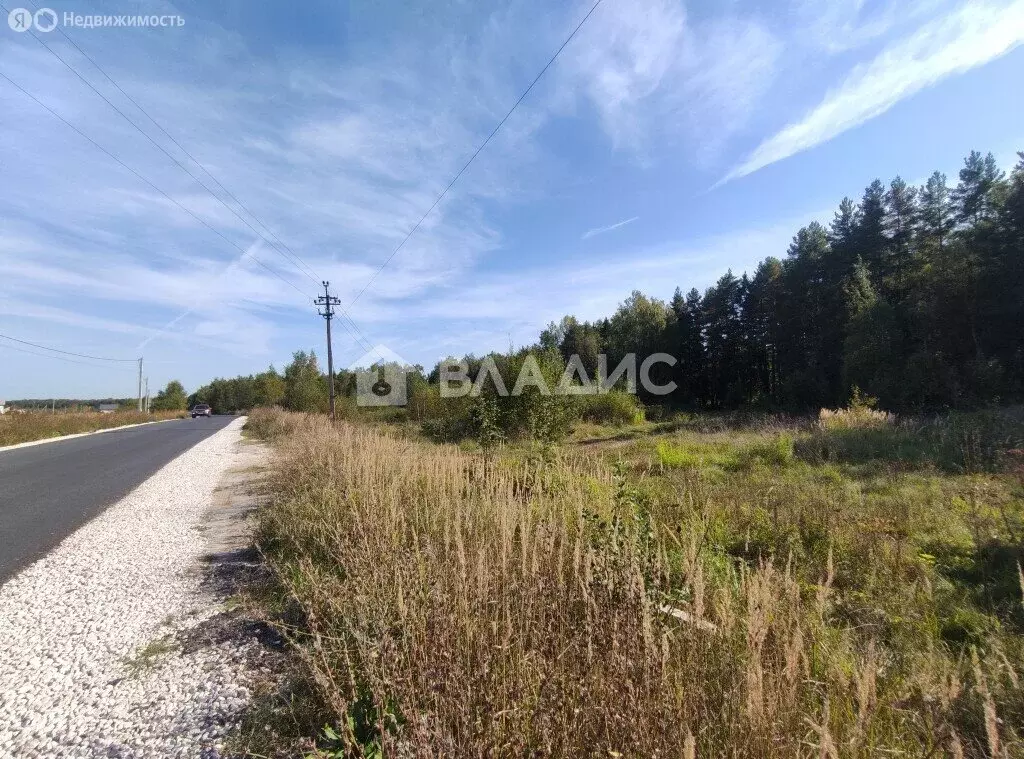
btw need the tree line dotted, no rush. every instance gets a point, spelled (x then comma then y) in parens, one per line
(70, 404)
(302, 386)
(915, 295)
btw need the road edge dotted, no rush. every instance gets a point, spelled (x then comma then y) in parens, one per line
(169, 684)
(45, 440)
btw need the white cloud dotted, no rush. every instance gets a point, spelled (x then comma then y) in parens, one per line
(839, 26)
(340, 155)
(488, 311)
(601, 230)
(624, 57)
(972, 36)
(650, 72)
(341, 174)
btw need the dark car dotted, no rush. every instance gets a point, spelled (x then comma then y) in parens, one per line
(201, 409)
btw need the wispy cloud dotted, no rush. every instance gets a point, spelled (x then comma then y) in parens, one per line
(486, 310)
(655, 75)
(205, 295)
(971, 36)
(339, 150)
(839, 26)
(601, 230)
(342, 174)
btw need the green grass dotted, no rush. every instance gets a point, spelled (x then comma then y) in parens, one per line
(149, 656)
(896, 510)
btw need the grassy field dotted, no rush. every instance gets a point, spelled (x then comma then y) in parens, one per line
(24, 428)
(747, 586)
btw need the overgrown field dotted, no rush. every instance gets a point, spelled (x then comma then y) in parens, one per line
(842, 586)
(24, 428)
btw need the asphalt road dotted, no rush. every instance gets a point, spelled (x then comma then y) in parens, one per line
(48, 491)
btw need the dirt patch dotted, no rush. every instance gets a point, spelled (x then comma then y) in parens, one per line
(234, 571)
(234, 625)
(231, 562)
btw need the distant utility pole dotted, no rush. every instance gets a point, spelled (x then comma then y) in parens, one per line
(147, 396)
(140, 384)
(328, 301)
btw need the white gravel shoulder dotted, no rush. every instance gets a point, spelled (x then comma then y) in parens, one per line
(87, 634)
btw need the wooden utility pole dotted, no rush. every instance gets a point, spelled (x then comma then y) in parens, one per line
(140, 384)
(328, 301)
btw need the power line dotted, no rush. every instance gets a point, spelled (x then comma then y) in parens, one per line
(49, 355)
(147, 181)
(293, 258)
(359, 339)
(280, 247)
(67, 353)
(478, 151)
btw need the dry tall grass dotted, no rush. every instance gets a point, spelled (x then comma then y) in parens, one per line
(24, 428)
(460, 605)
(858, 417)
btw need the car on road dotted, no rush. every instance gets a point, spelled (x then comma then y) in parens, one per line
(201, 409)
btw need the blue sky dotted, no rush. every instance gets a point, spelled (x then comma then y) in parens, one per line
(669, 142)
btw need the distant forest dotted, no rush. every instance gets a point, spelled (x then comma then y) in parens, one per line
(914, 295)
(69, 404)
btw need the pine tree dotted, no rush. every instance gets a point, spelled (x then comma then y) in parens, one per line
(936, 214)
(723, 331)
(872, 242)
(900, 225)
(689, 325)
(807, 356)
(842, 237)
(762, 328)
(858, 294)
(1003, 280)
(973, 196)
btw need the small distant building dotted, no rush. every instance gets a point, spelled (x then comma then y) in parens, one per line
(3, 407)
(107, 408)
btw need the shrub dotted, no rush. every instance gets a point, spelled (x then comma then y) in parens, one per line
(452, 428)
(615, 407)
(961, 442)
(861, 414)
(491, 415)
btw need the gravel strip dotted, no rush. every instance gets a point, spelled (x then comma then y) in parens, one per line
(90, 663)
